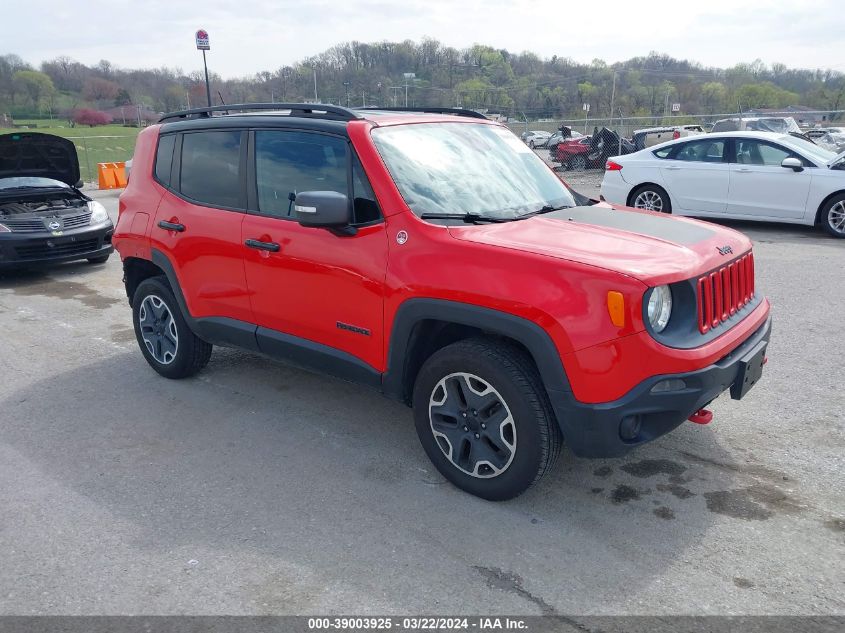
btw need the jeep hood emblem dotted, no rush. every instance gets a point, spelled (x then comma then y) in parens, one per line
(725, 250)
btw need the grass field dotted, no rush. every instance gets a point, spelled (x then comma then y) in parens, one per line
(102, 144)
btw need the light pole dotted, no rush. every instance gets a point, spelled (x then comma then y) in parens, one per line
(346, 85)
(407, 77)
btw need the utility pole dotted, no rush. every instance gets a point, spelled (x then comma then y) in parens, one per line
(612, 96)
(346, 85)
(316, 98)
(407, 77)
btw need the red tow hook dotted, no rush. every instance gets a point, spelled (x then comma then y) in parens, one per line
(702, 416)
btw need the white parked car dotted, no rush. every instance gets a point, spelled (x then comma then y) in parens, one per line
(536, 138)
(743, 175)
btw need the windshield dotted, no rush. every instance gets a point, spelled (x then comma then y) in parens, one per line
(459, 168)
(30, 181)
(816, 152)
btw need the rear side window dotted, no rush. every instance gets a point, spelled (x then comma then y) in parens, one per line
(164, 158)
(706, 151)
(210, 168)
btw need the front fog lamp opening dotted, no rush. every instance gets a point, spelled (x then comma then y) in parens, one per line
(659, 308)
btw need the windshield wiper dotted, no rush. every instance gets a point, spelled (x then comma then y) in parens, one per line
(546, 208)
(469, 218)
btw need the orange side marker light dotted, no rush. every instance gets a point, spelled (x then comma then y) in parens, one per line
(616, 308)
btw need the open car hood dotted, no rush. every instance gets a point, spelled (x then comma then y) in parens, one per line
(38, 155)
(836, 159)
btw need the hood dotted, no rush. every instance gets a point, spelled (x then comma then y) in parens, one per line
(651, 247)
(836, 159)
(39, 155)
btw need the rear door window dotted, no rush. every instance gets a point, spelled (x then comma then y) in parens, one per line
(210, 169)
(164, 158)
(706, 151)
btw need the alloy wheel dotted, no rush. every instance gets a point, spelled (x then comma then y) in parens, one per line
(158, 329)
(649, 200)
(836, 217)
(472, 425)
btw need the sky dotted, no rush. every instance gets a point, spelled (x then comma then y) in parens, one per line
(248, 36)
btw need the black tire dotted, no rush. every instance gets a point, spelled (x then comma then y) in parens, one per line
(531, 143)
(529, 424)
(831, 216)
(189, 353)
(99, 260)
(649, 192)
(578, 163)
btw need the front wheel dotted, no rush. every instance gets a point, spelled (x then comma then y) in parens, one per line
(484, 419)
(833, 216)
(578, 163)
(531, 144)
(163, 335)
(651, 198)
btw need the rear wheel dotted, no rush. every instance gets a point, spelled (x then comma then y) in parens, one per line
(484, 419)
(833, 216)
(163, 335)
(578, 163)
(651, 198)
(531, 143)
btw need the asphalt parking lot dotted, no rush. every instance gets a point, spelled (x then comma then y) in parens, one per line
(256, 488)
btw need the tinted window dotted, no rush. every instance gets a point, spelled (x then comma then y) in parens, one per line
(664, 152)
(210, 167)
(707, 151)
(751, 152)
(287, 163)
(164, 158)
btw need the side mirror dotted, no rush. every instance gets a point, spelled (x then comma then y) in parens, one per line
(324, 209)
(792, 163)
(79, 184)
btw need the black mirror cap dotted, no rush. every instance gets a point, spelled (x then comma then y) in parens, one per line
(326, 209)
(79, 184)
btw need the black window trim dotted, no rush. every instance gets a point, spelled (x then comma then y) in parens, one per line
(252, 175)
(172, 159)
(176, 170)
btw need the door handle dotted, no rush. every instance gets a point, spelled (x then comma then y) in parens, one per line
(672, 168)
(171, 226)
(273, 247)
(744, 170)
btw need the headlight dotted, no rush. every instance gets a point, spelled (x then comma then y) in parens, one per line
(98, 213)
(4, 229)
(659, 307)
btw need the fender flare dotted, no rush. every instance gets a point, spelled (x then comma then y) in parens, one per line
(533, 337)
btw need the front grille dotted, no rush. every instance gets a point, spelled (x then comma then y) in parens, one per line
(34, 225)
(724, 292)
(43, 249)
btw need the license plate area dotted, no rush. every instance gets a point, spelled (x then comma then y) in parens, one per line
(749, 372)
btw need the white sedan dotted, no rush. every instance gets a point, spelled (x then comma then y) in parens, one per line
(742, 175)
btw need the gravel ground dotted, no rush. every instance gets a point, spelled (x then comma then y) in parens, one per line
(256, 488)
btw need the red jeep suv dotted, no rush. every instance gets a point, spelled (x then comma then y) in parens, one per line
(434, 257)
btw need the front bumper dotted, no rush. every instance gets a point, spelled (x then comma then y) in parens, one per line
(594, 430)
(18, 250)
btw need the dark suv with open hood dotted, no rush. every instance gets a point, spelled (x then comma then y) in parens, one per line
(44, 217)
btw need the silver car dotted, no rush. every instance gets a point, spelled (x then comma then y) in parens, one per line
(537, 138)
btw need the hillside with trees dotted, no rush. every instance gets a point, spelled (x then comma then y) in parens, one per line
(516, 84)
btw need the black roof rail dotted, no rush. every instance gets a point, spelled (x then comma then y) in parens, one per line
(431, 110)
(312, 110)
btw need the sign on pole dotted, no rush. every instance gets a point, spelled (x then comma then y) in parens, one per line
(202, 40)
(586, 107)
(676, 107)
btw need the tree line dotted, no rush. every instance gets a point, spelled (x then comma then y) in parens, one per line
(522, 85)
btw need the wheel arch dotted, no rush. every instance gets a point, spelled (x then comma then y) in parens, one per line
(135, 271)
(636, 188)
(824, 202)
(423, 326)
